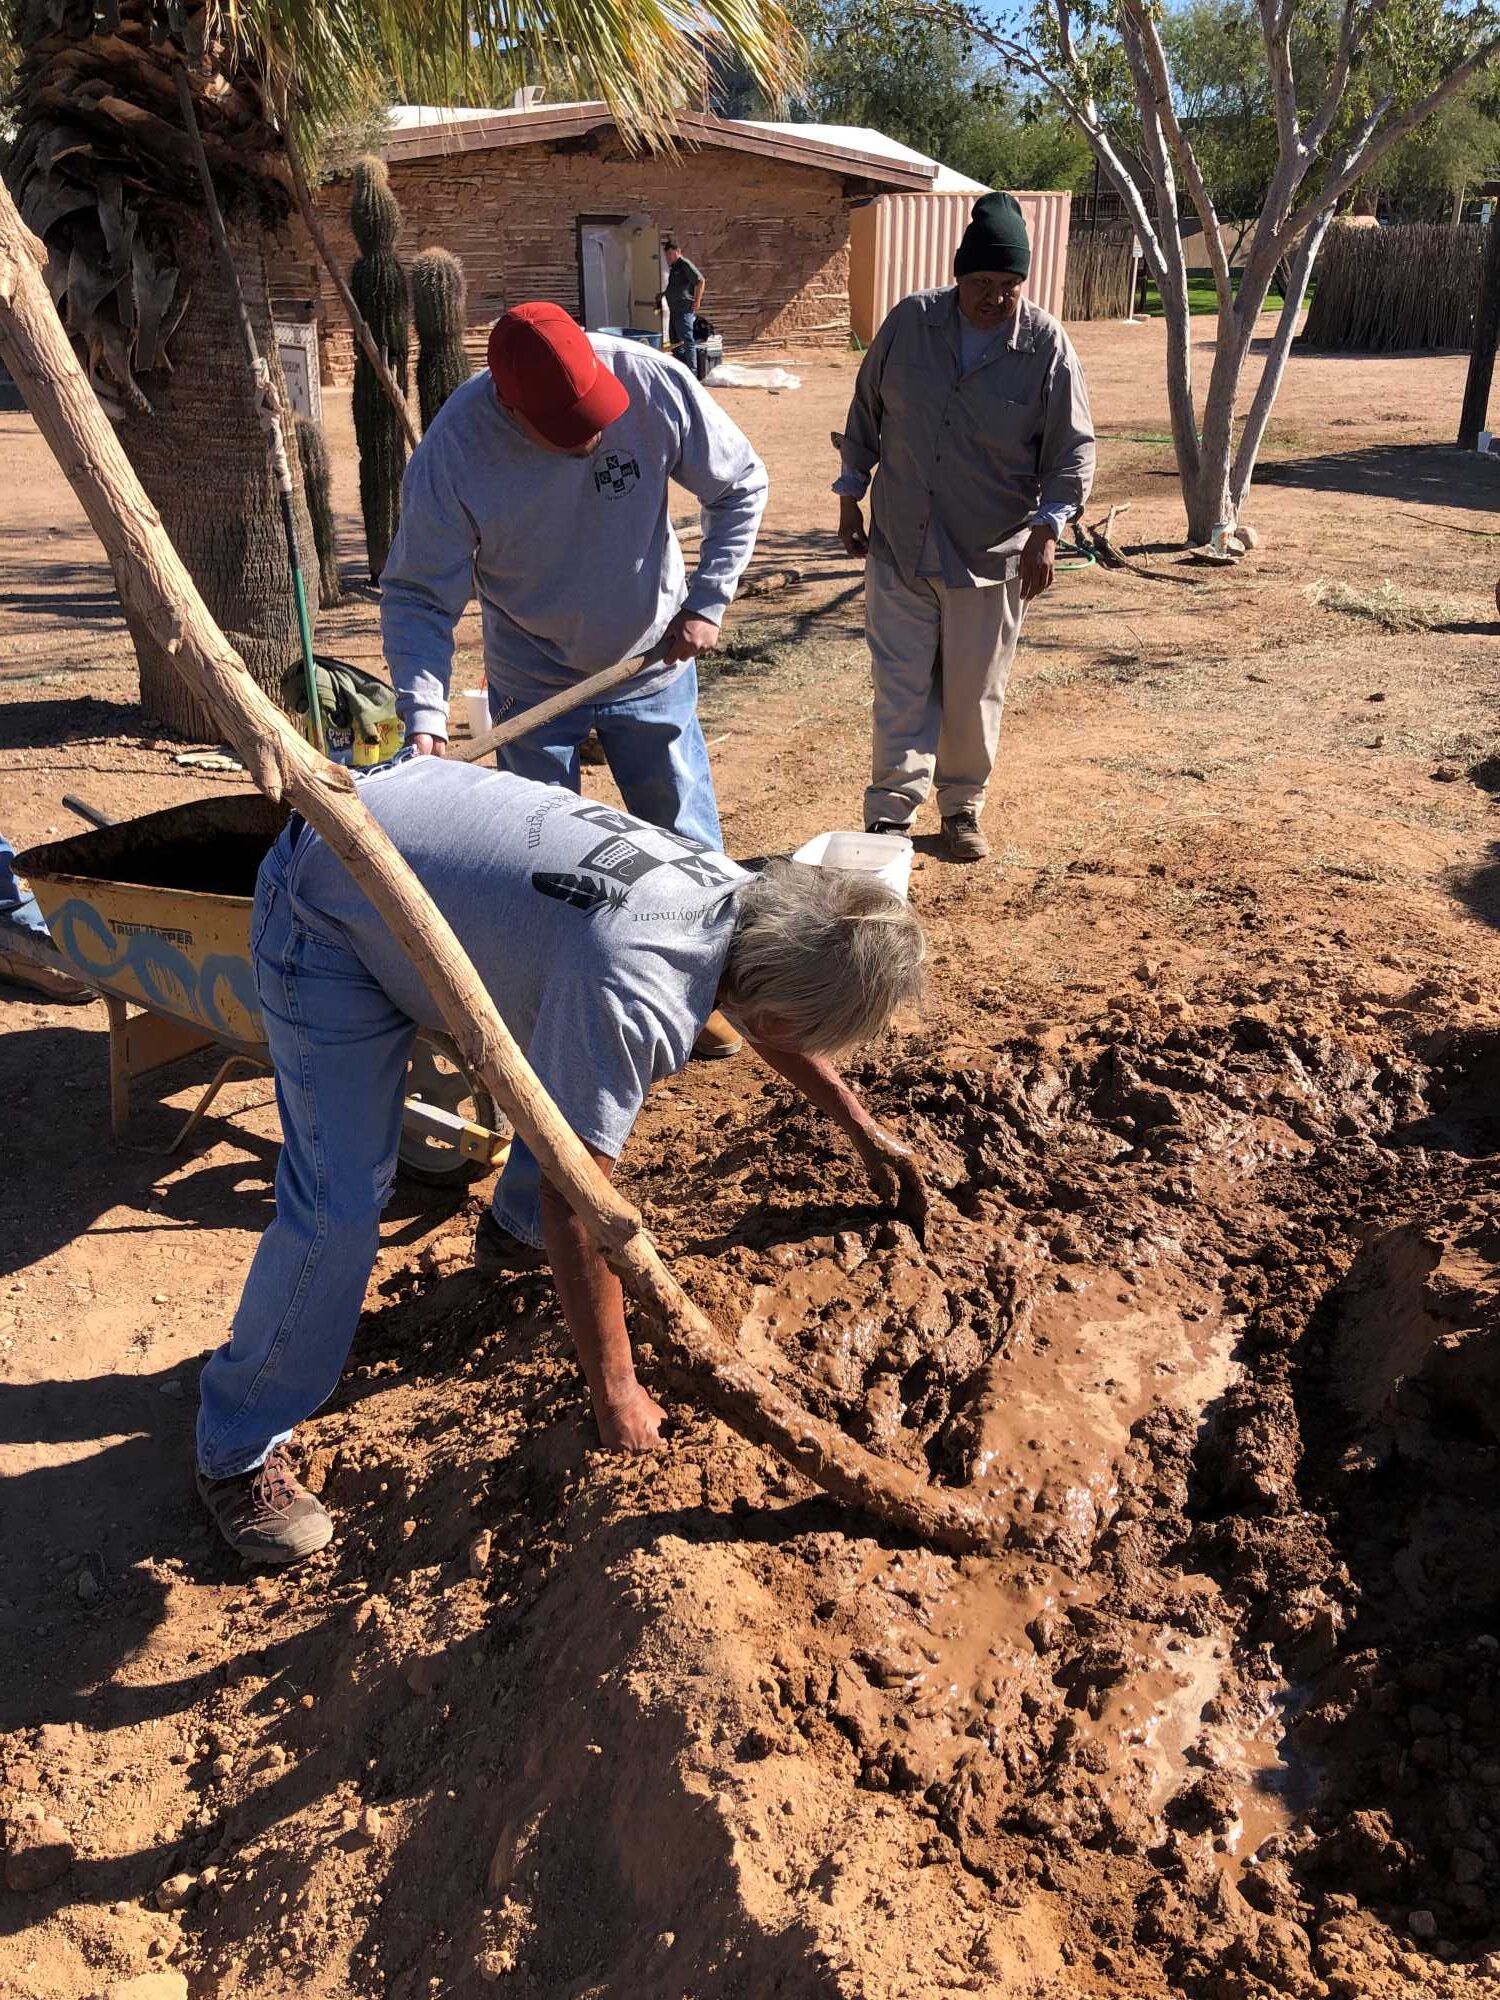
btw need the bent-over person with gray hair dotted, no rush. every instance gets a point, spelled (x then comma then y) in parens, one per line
(604, 942)
(971, 402)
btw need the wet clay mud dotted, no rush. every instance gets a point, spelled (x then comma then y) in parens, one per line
(1213, 1314)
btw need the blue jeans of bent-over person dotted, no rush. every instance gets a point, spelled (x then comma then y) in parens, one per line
(340, 1048)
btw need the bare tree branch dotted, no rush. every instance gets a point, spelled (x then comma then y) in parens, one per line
(1276, 31)
(1154, 61)
(1338, 79)
(1266, 389)
(1372, 144)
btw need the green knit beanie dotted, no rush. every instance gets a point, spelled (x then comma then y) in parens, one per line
(995, 239)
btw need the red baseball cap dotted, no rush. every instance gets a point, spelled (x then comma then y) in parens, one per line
(543, 365)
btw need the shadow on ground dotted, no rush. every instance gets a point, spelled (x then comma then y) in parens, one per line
(1434, 475)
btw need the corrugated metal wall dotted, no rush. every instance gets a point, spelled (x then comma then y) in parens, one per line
(902, 243)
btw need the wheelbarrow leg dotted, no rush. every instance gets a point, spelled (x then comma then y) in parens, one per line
(200, 1110)
(119, 1067)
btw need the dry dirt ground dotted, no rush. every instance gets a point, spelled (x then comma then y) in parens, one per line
(1209, 1306)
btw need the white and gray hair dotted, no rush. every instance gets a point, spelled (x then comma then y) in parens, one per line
(827, 955)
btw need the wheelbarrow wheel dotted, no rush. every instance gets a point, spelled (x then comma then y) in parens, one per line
(433, 1158)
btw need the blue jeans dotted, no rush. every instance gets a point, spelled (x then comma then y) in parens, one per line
(680, 332)
(340, 1048)
(654, 743)
(17, 905)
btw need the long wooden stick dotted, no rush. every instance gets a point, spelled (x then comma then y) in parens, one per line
(162, 596)
(547, 711)
(359, 325)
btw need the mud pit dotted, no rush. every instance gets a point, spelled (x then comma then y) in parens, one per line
(1222, 1721)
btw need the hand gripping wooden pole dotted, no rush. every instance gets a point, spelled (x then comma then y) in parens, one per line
(158, 590)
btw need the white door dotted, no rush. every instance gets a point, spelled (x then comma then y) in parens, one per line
(606, 274)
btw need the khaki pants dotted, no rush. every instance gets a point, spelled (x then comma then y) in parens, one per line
(941, 659)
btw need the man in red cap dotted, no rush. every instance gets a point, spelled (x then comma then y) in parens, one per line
(542, 486)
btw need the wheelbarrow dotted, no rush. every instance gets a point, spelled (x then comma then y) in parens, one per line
(154, 913)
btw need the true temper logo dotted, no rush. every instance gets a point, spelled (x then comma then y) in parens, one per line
(616, 475)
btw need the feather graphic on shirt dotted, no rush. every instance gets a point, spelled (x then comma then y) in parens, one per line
(584, 892)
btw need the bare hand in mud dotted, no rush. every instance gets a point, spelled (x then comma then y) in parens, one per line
(896, 1174)
(631, 1422)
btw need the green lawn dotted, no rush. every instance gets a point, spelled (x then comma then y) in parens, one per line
(1201, 296)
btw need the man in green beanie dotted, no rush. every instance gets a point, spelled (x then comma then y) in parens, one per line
(972, 403)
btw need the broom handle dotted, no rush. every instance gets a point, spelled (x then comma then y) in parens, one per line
(548, 710)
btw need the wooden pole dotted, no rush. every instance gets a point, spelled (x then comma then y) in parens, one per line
(357, 321)
(547, 711)
(1486, 334)
(158, 590)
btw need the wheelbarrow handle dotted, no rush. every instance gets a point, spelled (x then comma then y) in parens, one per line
(553, 706)
(85, 811)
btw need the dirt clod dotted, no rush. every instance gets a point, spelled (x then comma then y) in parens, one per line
(38, 1852)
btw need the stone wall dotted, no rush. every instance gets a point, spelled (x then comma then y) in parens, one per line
(771, 237)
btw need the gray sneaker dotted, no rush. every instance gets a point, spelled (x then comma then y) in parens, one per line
(268, 1515)
(962, 838)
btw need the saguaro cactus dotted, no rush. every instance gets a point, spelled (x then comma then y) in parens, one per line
(379, 287)
(317, 484)
(437, 306)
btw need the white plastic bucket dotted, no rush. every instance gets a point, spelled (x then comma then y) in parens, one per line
(477, 710)
(887, 855)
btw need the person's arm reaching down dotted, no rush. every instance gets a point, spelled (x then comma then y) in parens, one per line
(894, 1170)
(859, 442)
(427, 581)
(718, 466)
(1066, 456)
(593, 1304)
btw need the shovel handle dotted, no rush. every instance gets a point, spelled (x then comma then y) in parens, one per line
(548, 710)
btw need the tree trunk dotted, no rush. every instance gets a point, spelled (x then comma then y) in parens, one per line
(1300, 269)
(201, 456)
(1481, 373)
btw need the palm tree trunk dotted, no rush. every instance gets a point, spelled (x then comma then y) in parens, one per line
(201, 456)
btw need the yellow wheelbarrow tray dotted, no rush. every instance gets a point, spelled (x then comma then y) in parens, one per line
(154, 913)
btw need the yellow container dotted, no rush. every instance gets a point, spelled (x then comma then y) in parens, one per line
(157, 909)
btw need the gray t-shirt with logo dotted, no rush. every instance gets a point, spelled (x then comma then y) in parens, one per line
(600, 939)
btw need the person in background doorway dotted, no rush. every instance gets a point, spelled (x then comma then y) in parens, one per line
(684, 295)
(542, 487)
(972, 403)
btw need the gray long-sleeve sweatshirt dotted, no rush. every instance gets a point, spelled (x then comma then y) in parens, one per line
(573, 559)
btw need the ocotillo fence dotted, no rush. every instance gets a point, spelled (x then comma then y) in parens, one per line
(1412, 287)
(1099, 275)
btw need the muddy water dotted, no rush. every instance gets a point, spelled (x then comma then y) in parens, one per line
(1091, 1351)
(1056, 1409)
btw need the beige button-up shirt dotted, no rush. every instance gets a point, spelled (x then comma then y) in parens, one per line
(974, 457)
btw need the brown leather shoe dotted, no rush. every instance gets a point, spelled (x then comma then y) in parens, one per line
(268, 1515)
(716, 1039)
(962, 838)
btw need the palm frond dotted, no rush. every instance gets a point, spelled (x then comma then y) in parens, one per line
(636, 55)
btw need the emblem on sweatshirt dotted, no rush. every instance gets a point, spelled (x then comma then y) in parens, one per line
(583, 892)
(621, 858)
(616, 474)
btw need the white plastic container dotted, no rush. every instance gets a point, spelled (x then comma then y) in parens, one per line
(887, 855)
(477, 710)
